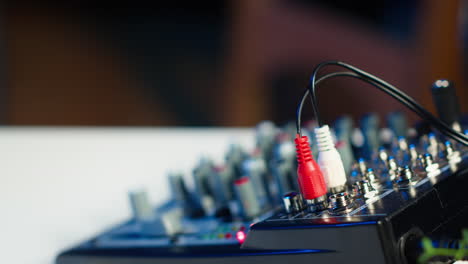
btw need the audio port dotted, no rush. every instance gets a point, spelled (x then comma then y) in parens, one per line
(340, 203)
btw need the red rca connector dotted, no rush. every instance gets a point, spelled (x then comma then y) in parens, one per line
(309, 175)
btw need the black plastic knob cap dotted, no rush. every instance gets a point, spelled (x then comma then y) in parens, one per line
(445, 100)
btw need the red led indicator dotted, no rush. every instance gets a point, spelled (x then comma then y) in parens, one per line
(228, 236)
(240, 235)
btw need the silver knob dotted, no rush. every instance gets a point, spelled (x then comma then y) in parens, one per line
(402, 144)
(362, 166)
(141, 207)
(431, 167)
(405, 177)
(165, 222)
(433, 145)
(373, 179)
(340, 203)
(451, 154)
(383, 155)
(392, 167)
(364, 189)
(413, 152)
(256, 169)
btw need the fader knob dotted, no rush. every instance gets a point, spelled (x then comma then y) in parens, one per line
(265, 136)
(247, 197)
(183, 197)
(203, 190)
(201, 173)
(397, 123)
(221, 182)
(234, 157)
(141, 207)
(167, 221)
(177, 186)
(370, 130)
(343, 130)
(283, 167)
(256, 169)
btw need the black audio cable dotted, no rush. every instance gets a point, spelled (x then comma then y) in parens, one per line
(381, 85)
(420, 110)
(306, 93)
(329, 76)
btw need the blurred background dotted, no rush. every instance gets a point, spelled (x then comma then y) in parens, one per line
(182, 63)
(218, 63)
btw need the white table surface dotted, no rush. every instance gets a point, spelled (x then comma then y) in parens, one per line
(59, 186)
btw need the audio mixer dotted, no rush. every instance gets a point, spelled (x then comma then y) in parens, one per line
(366, 191)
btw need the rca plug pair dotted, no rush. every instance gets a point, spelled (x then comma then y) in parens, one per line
(314, 178)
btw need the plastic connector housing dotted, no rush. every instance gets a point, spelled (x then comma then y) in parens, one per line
(309, 175)
(329, 159)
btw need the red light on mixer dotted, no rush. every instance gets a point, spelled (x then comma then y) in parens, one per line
(240, 235)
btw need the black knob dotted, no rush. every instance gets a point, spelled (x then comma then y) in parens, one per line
(445, 100)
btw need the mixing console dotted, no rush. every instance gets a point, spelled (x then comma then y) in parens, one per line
(399, 184)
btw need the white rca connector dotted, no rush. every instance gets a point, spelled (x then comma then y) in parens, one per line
(329, 160)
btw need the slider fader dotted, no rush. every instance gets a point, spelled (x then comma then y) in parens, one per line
(372, 191)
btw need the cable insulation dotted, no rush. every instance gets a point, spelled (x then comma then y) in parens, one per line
(381, 85)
